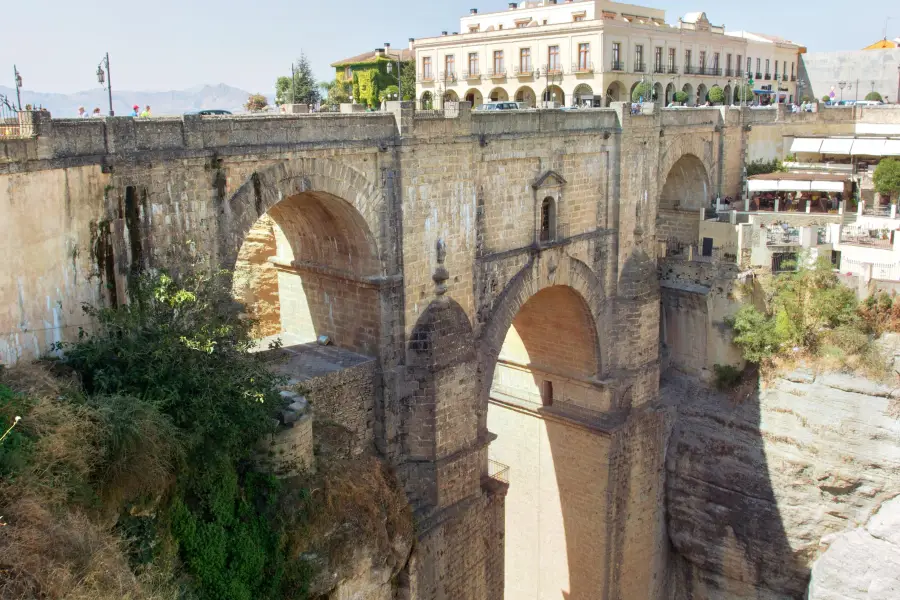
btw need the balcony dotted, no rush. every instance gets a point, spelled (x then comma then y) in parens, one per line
(768, 76)
(496, 73)
(793, 78)
(659, 69)
(711, 71)
(870, 238)
(448, 76)
(689, 70)
(640, 67)
(582, 67)
(783, 236)
(426, 76)
(618, 65)
(784, 77)
(472, 75)
(758, 75)
(554, 70)
(523, 71)
(673, 69)
(729, 72)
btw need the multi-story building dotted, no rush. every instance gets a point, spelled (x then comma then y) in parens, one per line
(593, 52)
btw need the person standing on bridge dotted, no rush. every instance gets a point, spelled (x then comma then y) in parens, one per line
(146, 112)
(135, 111)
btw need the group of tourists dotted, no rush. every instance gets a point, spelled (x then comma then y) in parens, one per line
(135, 112)
(822, 203)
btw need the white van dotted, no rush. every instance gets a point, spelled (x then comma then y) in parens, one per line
(499, 106)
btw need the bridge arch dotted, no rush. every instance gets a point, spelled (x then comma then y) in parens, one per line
(687, 185)
(306, 262)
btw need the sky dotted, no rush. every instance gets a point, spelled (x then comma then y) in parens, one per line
(160, 45)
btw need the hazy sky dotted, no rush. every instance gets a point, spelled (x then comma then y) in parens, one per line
(168, 44)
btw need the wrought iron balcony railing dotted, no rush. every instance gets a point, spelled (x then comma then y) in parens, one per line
(583, 67)
(472, 75)
(496, 73)
(426, 76)
(640, 67)
(618, 65)
(673, 69)
(659, 69)
(689, 70)
(523, 71)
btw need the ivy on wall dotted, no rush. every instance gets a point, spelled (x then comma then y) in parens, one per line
(371, 78)
(367, 84)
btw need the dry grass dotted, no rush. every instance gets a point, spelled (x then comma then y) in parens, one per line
(53, 545)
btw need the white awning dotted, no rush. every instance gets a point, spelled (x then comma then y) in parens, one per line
(806, 145)
(827, 186)
(762, 185)
(837, 145)
(891, 148)
(868, 147)
(788, 185)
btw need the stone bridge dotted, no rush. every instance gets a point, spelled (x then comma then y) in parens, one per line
(500, 269)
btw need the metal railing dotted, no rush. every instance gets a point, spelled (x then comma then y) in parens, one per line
(472, 74)
(526, 71)
(496, 73)
(689, 70)
(729, 72)
(768, 76)
(498, 471)
(9, 120)
(640, 67)
(448, 75)
(583, 67)
(659, 69)
(682, 251)
(714, 71)
(758, 75)
(793, 78)
(618, 65)
(426, 76)
(872, 238)
(780, 236)
(784, 77)
(877, 211)
(672, 69)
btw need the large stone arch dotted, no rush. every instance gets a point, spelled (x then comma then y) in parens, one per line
(267, 187)
(701, 146)
(554, 268)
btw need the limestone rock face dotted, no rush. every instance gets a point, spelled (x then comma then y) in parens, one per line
(756, 482)
(864, 563)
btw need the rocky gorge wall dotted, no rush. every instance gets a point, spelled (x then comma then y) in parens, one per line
(760, 484)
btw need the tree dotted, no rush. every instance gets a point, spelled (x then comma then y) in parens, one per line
(338, 92)
(874, 96)
(716, 95)
(408, 81)
(887, 177)
(680, 97)
(743, 93)
(256, 103)
(642, 92)
(391, 92)
(305, 90)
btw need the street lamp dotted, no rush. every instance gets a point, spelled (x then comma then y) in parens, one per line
(17, 77)
(842, 85)
(390, 68)
(106, 78)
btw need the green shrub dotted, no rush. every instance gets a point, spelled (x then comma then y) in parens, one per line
(727, 376)
(743, 94)
(874, 97)
(716, 95)
(680, 97)
(887, 177)
(760, 167)
(826, 99)
(641, 91)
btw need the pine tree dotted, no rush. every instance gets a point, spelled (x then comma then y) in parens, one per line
(305, 89)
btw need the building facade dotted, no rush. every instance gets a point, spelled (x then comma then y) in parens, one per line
(594, 52)
(368, 75)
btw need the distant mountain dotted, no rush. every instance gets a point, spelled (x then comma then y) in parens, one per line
(176, 102)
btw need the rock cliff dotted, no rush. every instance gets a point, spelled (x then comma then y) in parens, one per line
(757, 480)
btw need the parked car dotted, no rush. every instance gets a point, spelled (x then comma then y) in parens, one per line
(499, 106)
(208, 111)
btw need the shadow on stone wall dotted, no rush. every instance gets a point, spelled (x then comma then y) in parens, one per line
(727, 533)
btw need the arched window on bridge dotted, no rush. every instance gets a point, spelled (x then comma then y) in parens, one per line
(548, 219)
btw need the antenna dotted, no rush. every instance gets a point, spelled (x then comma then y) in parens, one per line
(884, 33)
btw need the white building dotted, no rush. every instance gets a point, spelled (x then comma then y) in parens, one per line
(593, 52)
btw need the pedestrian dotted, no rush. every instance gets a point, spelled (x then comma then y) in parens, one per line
(96, 114)
(81, 113)
(135, 111)
(146, 112)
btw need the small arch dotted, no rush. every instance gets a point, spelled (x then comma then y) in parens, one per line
(584, 95)
(728, 94)
(555, 94)
(498, 94)
(451, 96)
(548, 219)
(689, 90)
(615, 93)
(687, 185)
(657, 92)
(526, 96)
(474, 97)
(702, 93)
(670, 93)
(427, 101)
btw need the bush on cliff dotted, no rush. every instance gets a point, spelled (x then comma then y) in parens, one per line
(138, 468)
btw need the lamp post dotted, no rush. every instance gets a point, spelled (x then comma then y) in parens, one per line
(842, 85)
(107, 77)
(898, 85)
(17, 78)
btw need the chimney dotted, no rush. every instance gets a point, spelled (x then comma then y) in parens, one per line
(379, 51)
(387, 46)
(411, 42)
(513, 6)
(443, 33)
(473, 11)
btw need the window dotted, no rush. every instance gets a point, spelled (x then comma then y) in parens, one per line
(716, 61)
(758, 65)
(525, 60)
(767, 67)
(584, 57)
(687, 61)
(498, 61)
(348, 73)
(737, 66)
(617, 55)
(473, 63)
(553, 58)
(728, 63)
(548, 219)
(426, 67)
(784, 68)
(671, 60)
(749, 66)
(638, 57)
(658, 59)
(578, 18)
(450, 64)
(544, 22)
(500, 26)
(792, 71)
(702, 63)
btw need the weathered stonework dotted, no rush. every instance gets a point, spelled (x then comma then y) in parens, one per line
(413, 240)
